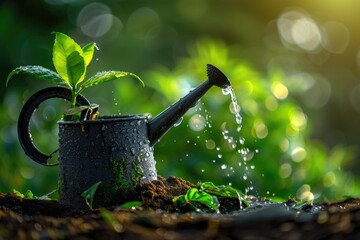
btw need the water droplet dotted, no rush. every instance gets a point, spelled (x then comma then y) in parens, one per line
(242, 140)
(227, 90)
(224, 166)
(202, 170)
(96, 46)
(219, 156)
(178, 122)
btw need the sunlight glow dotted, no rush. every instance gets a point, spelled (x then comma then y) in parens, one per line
(296, 28)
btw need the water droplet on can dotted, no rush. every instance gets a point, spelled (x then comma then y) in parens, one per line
(178, 122)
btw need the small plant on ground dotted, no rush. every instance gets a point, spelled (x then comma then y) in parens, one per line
(71, 62)
(29, 194)
(89, 194)
(205, 198)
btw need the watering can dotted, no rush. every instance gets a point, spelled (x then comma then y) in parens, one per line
(115, 152)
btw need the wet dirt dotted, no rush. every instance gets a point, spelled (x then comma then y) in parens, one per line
(157, 219)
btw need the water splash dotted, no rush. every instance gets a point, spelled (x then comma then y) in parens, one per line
(229, 90)
(96, 46)
(238, 143)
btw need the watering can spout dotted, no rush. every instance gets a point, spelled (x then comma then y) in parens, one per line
(160, 124)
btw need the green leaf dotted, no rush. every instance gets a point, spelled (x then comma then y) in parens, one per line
(131, 204)
(223, 191)
(89, 194)
(75, 68)
(194, 195)
(17, 193)
(179, 201)
(88, 51)
(29, 194)
(38, 72)
(68, 59)
(102, 77)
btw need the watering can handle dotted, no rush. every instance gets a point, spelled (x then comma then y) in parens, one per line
(25, 115)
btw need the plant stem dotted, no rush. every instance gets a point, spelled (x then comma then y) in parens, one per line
(73, 98)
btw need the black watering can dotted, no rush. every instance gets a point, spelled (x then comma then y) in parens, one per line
(114, 150)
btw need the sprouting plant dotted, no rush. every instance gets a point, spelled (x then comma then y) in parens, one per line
(71, 62)
(223, 191)
(196, 199)
(29, 194)
(206, 195)
(89, 194)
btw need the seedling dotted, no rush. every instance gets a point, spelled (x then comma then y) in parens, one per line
(29, 194)
(89, 194)
(197, 200)
(205, 197)
(71, 62)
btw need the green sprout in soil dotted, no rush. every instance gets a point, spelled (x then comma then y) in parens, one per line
(29, 194)
(89, 194)
(71, 62)
(205, 198)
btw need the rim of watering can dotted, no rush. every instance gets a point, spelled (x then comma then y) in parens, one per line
(105, 119)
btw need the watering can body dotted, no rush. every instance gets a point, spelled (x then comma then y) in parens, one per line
(115, 151)
(112, 150)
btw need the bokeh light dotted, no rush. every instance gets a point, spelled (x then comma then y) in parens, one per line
(285, 170)
(298, 154)
(96, 19)
(304, 193)
(279, 90)
(197, 122)
(297, 28)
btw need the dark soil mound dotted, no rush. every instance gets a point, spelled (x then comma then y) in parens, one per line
(158, 194)
(42, 219)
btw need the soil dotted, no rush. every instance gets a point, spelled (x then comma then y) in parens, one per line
(158, 218)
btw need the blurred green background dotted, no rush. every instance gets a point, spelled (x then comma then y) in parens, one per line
(294, 67)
